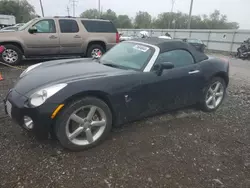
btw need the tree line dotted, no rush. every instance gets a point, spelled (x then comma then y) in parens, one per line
(24, 11)
(166, 20)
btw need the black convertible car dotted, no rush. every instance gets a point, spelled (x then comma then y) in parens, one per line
(79, 100)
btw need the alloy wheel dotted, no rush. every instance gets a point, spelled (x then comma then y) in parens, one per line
(96, 53)
(214, 95)
(86, 125)
(10, 56)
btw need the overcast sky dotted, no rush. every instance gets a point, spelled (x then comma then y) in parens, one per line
(236, 10)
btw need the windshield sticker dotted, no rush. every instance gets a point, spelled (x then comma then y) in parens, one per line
(141, 48)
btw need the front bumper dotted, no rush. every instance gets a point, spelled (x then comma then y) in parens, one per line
(41, 115)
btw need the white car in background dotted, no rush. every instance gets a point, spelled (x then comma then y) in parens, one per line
(164, 37)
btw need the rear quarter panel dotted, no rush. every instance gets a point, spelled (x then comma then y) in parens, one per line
(215, 67)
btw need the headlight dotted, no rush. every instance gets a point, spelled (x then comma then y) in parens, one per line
(39, 97)
(29, 69)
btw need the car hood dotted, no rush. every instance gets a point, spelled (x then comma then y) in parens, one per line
(64, 71)
(7, 31)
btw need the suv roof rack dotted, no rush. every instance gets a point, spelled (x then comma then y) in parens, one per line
(64, 17)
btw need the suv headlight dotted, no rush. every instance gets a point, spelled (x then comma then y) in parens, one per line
(29, 69)
(39, 97)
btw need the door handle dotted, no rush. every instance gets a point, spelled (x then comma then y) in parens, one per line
(53, 37)
(194, 72)
(77, 36)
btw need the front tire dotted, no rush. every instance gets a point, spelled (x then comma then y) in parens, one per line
(84, 124)
(214, 94)
(12, 55)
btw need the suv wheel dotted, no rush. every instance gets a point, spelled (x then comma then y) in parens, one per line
(12, 55)
(95, 51)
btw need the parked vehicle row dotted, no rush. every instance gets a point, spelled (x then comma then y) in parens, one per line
(58, 37)
(80, 100)
(12, 28)
(197, 43)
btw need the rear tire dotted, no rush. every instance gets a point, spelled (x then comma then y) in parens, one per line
(94, 47)
(213, 96)
(68, 123)
(12, 55)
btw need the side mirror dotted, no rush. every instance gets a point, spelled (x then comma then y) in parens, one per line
(167, 65)
(32, 30)
(159, 68)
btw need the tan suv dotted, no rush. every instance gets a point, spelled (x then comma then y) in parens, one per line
(58, 37)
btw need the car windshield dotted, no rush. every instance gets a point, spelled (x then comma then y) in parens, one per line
(128, 55)
(26, 24)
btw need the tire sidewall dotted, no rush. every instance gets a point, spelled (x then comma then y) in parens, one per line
(210, 83)
(17, 50)
(92, 47)
(60, 126)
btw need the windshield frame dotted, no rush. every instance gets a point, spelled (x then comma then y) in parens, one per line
(26, 25)
(150, 61)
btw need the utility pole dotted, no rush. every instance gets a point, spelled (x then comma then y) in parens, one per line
(172, 9)
(68, 10)
(99, 8)
(74, 7)
(190, 14)
(41, 4)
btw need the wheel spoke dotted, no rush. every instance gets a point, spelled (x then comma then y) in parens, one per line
(89, 135)
(77, 119)
(98, 123)
(214, 102)
(210, 90)
(78, 131)
(91, 113)
(219, 94)
(217, 87)
(209, 99)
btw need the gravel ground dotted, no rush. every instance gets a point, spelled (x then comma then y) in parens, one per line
(187, 149)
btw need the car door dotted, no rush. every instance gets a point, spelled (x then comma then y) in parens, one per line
(70, 37)
(45, 41)
(177, 87)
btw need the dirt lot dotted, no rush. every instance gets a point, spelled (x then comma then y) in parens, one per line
(188, 149)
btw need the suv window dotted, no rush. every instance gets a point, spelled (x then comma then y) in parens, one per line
(68, 26)
(179, 58)
(45, 26)
(99, 26)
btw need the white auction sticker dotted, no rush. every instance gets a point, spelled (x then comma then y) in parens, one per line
(141, 48)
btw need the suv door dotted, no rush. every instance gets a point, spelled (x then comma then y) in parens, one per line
(70, 37)
(43, 42)
(180, 86)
